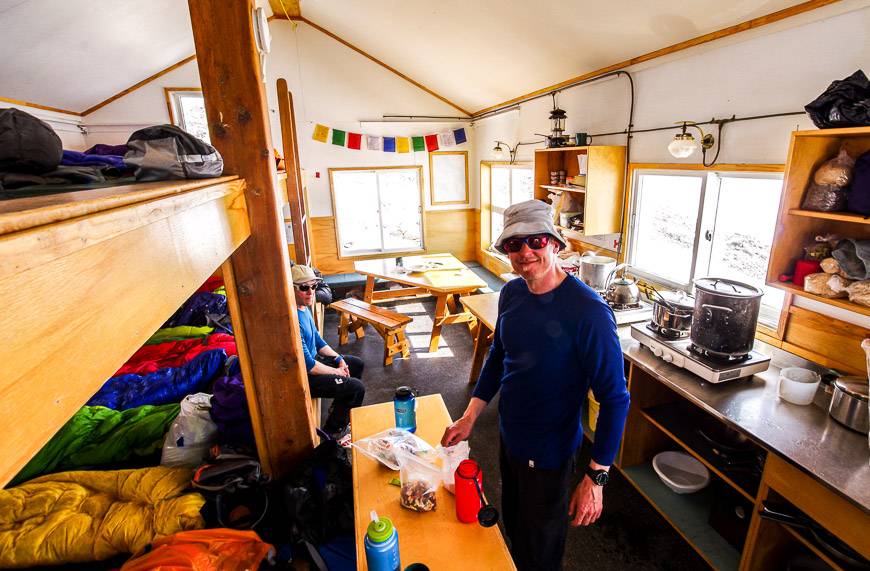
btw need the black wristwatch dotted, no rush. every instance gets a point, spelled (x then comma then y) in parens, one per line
(598, 477)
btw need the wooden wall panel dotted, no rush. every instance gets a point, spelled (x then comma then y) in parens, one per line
(453, 231)
(825, 340)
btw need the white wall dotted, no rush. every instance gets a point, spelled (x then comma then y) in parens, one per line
(772, 73)
(330, 83)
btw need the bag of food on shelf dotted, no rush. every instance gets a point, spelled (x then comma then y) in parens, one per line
(836, 171)
(818, 285)
(859, 292)
(420, 479)
(191, 434)
(450, 458)
(385, 445)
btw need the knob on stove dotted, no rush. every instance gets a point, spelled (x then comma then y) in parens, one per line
(657, 351)
(668, 358)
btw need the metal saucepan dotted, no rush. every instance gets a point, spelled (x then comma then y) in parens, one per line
(825, 540)
(672, 311)
(849, 403)
(595, 269)
(621, 291)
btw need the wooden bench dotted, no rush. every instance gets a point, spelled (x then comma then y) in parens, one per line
(390, 325)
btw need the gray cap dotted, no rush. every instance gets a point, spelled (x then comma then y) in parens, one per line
(526, 218)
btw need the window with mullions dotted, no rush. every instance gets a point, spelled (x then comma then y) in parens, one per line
(377, 210)
(691, 224)
(509, 184)
(187, 110)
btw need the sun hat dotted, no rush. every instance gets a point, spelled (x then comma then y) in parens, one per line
(527, 218)
(301, 274)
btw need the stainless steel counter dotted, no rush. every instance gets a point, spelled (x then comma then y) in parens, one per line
(803, 435)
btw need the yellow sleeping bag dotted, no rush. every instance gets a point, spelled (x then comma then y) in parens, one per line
(75, 517)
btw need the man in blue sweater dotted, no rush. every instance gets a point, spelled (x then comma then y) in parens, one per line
(330, 375)
(555, 338)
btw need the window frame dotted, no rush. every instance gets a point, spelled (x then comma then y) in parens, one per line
(172, 104)
(499, 209)
(380, 253)
(729, 170)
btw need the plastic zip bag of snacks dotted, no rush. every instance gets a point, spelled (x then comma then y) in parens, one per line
(384, 446)
(419, 482)
(450, 457)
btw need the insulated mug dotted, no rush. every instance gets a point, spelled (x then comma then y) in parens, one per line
(582, 139)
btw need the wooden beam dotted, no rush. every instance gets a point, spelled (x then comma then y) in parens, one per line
(133, 88)
(380, 63)
(285, 9)
(39, 106)
(719, 34)
(235, 102)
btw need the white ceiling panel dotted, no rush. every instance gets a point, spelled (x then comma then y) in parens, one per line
(73, 54)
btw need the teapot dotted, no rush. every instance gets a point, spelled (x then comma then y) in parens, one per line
(623, 290)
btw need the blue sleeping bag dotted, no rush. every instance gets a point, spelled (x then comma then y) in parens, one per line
(164, 386)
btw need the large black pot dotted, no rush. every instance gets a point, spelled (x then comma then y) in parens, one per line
(725, 316)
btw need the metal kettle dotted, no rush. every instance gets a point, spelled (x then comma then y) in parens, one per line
(622, 290)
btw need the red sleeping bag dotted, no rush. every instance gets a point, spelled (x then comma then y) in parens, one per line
(151, 358)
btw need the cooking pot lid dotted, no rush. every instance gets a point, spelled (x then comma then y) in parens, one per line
(678, 299)
(587, 259)
(856, 387)
(729, 288)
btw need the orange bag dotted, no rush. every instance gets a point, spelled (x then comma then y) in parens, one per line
(203, 550)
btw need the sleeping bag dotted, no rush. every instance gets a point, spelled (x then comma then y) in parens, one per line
(177, 333)
(98, 436)
(151, 358)
(160, 387)
(76, 517)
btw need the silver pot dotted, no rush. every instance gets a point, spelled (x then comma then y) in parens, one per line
(726, 313)
(849, 405)
(621, 291)
(595, 269)
(672, 311)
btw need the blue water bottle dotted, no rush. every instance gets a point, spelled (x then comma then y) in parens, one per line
(382, 545)
(406, 409)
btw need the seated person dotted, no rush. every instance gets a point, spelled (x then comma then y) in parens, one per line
(330, 375)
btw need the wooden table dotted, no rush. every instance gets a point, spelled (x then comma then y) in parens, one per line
(451, 279)
(484, 308)
(435, 538)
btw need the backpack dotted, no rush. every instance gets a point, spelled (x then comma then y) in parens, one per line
(164, 152)
(235, 491)
(27, 144)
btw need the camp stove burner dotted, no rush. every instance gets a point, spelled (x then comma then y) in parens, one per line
(672, 334)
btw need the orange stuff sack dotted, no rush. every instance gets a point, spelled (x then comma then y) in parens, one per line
(203, 550)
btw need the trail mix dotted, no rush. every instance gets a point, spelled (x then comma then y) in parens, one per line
(418, 495)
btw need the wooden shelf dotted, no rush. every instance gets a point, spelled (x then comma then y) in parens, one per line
(842, 303)
(688, 513)
(677, 423)
(806, 542)
(835, 216)
(579, 189)
(571, 233)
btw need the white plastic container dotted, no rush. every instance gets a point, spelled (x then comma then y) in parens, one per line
(798, 386)
(681, 472)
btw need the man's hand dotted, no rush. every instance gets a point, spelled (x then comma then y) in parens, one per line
(342, 366)
(457, 432)
(587, 501)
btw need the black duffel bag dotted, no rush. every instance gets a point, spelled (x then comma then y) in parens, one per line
(845, 103)
(27, 144)
(165, 152)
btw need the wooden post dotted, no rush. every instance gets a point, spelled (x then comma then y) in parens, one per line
(276, 381)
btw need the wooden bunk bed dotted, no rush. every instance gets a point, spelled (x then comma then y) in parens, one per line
(87, 276)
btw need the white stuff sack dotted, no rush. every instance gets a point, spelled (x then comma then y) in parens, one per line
(450, 457)
(384, 445)
(191, 434)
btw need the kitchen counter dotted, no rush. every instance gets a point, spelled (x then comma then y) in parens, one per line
(805, 436)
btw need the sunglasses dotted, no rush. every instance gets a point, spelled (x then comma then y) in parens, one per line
(306, 287)
(534, 242)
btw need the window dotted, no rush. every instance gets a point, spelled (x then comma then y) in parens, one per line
(377, 210)
(509, 184)
(187, 110)
(691, 224)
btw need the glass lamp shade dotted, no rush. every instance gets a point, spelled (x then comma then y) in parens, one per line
(682, 146)
(557, 120)
(499, 152)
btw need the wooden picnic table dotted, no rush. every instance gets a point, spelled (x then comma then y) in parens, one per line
(484, 308)
(444, 277)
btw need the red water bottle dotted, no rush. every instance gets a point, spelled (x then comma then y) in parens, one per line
(468, 502)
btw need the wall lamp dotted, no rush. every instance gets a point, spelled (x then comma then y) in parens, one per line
(684, 143)
(499, 152)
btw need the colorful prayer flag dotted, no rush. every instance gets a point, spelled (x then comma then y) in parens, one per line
(374, 143)
(419, 144)
(459, 136)
(321, 133)
(446, 139)
(338, 137)
(403, 144)
(389, 144)
(354, 140)
(431, 143)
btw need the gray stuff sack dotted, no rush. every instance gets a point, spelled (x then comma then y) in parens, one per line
(166, 152)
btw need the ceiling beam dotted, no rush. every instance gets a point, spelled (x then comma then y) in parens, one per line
(285, 9)
(380, 63)
(133, 88)
(712, 36)
(39, 106)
